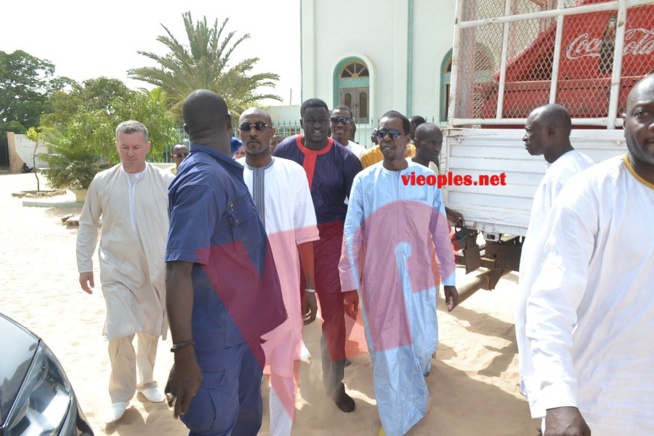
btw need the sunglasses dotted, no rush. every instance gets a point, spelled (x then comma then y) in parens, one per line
(395, 133)
(246, 127)
(344, 120)
(180, 155)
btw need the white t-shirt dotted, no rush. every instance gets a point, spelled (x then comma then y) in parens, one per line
(355, 148)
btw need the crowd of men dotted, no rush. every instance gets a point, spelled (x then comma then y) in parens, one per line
(234, 255)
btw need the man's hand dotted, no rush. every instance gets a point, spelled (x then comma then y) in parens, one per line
(86, 282)
(351, 302)
(455, 217)
(309, 308)
(565, 421)
(184, 381)
(451, 297)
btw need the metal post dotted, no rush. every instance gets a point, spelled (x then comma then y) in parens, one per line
(557, 53)
(505, 50)
(455, 60)
(617, 64)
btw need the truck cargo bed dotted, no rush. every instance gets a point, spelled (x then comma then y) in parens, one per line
(506, 209)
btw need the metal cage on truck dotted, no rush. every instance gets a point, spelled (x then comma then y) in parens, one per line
(510, 57)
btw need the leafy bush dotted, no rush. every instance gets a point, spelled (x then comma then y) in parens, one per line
(81, 134)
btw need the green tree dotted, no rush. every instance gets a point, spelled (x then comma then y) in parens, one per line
(204, 63)
(81, 137)
(97, 94)
(26, 82)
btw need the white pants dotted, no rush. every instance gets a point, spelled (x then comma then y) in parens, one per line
(127, 365)
(281, 420)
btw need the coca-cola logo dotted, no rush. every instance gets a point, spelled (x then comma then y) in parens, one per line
(638, 41)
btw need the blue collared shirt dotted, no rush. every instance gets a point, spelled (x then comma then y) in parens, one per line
(214, 224)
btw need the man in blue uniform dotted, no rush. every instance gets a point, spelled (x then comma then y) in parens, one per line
(223, 292)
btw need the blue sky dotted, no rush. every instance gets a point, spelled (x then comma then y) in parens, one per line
(86, 39)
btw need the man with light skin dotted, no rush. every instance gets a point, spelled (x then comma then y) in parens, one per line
(591, 306)
(341, 123)
(280, 190)
(130, 198)
(179, 153)
(387, 256)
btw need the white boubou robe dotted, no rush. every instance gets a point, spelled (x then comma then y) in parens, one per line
(590, 314)
(387, 256)
(556, 175)
(134, 213)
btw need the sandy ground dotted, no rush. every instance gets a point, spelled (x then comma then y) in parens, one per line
(473, 383)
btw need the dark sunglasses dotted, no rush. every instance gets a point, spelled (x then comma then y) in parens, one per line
(395, 133)
(246, 127)
(344, 120)
(181, 155)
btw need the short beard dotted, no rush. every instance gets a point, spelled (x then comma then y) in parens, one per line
(637, 153)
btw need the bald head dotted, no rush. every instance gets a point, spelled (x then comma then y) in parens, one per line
(641, 91)
(203, 110)
(177, 148)
(554, 115)
(548, 132)
(638, 127)
(429, 130)
(257, 112)
(428, 141)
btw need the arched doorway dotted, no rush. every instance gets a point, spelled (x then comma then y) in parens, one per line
(352, 88)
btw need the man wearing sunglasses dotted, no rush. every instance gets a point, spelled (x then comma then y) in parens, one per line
(179, 153)
(341, 123)
(397, 223)
(375, 155)
(330, 169)
(280, 190)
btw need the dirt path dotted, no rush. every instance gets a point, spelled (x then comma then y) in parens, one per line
(474, 382)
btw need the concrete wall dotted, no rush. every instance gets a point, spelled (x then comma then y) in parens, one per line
(433, 38)
(284, 113)
(377, 31)
(21, 151)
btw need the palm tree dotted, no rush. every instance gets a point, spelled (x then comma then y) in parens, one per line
(205, 64)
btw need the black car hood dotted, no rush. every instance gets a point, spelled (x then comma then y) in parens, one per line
(17, 348)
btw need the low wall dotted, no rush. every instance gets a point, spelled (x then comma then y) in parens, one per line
(21, 150)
